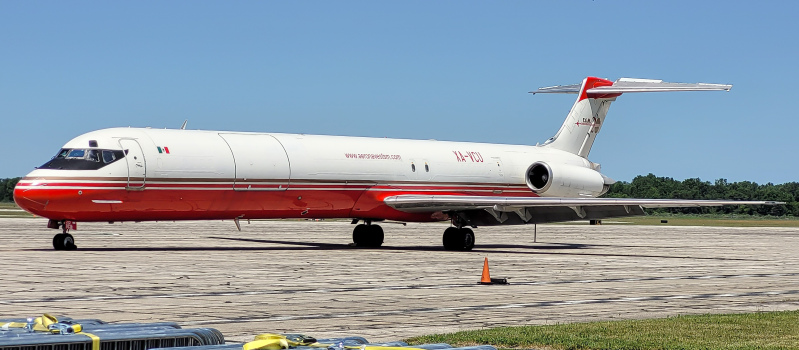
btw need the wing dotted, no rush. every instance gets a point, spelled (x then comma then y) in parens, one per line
(528, 210)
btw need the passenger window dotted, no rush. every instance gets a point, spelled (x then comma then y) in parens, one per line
(108, 156)
(413, 167)
(77, 153)
(426, 168)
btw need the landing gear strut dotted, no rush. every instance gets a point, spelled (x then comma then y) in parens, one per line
(367, 235)
(64, 240)
(458, 238)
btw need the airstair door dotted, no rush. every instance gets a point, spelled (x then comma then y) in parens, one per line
(137, 166)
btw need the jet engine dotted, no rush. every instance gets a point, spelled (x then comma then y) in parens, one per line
(563, 180)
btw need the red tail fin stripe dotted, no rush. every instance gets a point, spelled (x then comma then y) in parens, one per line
(592, 82)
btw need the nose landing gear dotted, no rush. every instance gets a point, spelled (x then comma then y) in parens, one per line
(64, 240)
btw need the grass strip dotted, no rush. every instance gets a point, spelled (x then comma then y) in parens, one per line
(762, 330)
(8, 205)
(11, 210)
(707, 220)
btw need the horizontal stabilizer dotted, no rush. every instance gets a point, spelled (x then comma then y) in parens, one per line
(559, 89)
(624, 85)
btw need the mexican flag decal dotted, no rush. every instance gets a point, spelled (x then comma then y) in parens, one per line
(163, 149)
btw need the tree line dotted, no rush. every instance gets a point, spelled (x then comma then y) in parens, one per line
(651, 186)
(7, 189)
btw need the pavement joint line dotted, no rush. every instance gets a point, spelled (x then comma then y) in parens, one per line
(485, 307)
(383, 288)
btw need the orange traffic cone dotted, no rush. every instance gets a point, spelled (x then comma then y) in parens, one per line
(486, 279)
(486, 275)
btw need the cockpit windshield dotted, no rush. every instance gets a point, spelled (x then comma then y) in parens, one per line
(76, 154)
(83, 159)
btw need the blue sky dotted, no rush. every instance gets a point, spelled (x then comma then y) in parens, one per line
(447, 70)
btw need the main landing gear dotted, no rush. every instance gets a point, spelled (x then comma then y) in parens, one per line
(459, 236)
(367, 235)
(456, 238)
(64, 240)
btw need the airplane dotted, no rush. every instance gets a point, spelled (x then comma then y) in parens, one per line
(145, 174)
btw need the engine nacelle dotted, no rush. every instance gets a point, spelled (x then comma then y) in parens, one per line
(563, 180)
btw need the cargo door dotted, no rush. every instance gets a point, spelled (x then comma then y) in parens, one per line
(261, 163)
(137, 166)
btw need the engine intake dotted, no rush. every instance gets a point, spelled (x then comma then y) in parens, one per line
(538, 177)
(563, 180)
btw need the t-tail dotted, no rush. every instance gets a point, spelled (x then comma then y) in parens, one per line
(578, 132)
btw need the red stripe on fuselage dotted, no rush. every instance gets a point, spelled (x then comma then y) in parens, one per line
(175, 199)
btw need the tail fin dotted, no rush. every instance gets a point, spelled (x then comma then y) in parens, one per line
(579, 130)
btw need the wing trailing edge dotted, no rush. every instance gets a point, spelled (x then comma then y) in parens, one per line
(422, 203)
(491, 211)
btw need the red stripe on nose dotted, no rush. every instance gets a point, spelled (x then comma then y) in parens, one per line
(33, 202)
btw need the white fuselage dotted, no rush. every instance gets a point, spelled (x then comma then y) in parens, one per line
(186, 174)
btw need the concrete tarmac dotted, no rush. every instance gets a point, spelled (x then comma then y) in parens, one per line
(301, 276)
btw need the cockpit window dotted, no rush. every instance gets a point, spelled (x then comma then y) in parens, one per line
(108, 156)
(93, 155)
(62, 153)
(83, 159)
(76, 154)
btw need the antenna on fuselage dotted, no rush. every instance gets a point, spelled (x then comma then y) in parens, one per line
(183, 127)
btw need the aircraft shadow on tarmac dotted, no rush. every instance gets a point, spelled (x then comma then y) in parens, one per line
(576, 249)
(481, 247)
(308, 246)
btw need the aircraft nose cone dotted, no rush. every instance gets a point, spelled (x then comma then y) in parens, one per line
(30, 197)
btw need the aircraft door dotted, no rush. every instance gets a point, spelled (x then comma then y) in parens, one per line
(261, 163)
(137, 166)
(497, 168)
